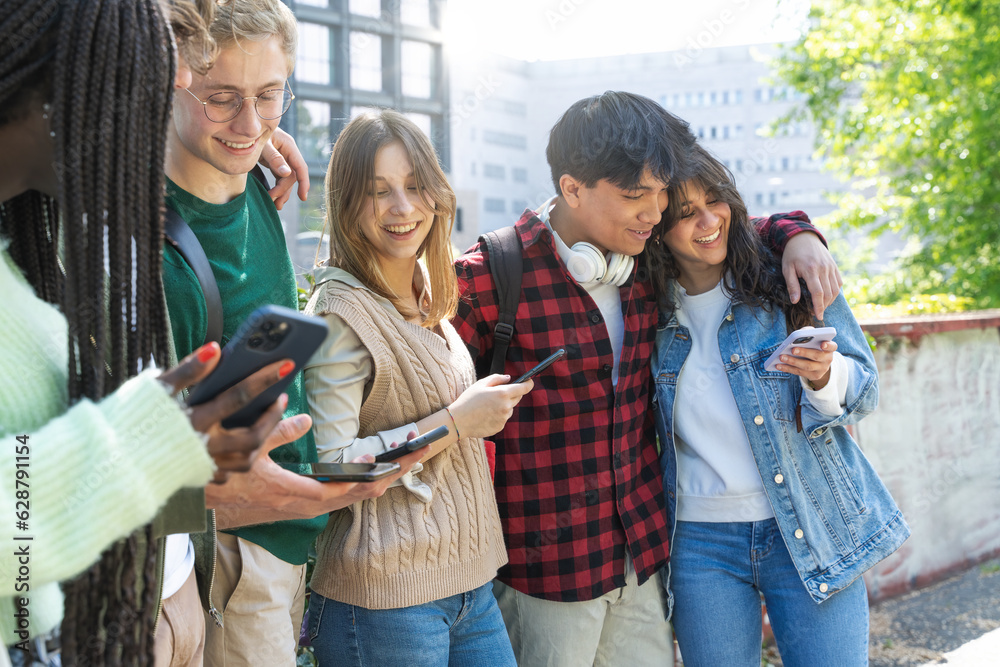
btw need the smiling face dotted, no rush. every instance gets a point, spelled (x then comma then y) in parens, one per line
(203, 152)
(396, 220)
(698, 240)
(609, 217)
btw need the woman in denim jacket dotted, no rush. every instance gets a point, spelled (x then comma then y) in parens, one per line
(767, 493)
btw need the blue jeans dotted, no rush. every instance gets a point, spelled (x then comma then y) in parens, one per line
(464, 630)
(718, 573)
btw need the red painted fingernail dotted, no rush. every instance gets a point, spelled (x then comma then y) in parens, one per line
(286, 368)
(208, 351)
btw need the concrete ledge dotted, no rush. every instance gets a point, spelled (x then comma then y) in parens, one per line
(916, 326)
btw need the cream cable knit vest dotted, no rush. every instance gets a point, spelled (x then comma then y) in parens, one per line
(396, 551)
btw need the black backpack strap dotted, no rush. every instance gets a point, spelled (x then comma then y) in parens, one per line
(180, 236)
(506, 266)
(258, 173)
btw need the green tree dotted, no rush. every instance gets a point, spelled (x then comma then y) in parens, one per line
(905, 97)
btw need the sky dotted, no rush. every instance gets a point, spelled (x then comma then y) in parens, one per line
(563, 29)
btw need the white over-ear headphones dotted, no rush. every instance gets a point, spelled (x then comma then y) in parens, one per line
(588, 265)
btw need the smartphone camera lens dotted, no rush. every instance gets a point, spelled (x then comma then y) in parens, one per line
(255, 341)
(277, 333)
(802, 340)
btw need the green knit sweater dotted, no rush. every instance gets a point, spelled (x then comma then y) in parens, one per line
(245, 245)
(89, 475)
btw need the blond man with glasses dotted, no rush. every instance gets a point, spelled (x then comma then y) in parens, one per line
(251, 562)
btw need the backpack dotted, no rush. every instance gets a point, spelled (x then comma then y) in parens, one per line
(178, 233)
(506, 267)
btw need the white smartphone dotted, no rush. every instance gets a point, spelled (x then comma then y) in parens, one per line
(808, 337)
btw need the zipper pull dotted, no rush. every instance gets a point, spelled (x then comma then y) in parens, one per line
(216, 615)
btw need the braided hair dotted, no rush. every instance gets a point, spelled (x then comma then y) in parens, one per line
(106, 68)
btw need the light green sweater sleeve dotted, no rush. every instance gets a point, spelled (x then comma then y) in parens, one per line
(95, 474)
(92, 476)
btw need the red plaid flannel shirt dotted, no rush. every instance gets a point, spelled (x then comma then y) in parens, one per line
(577, 471)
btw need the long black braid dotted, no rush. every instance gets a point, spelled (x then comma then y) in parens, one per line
(106, 67)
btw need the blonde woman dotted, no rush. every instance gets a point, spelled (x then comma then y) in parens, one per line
(404, 579)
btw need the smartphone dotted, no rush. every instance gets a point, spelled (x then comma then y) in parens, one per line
(418, 442)
(343, 472)
(808, 337)
(545, 363)
(270, 334)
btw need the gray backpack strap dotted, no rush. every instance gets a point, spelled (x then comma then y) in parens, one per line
(180, 236)
(506, 267)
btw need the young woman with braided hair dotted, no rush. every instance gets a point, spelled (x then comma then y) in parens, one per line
(84, 99)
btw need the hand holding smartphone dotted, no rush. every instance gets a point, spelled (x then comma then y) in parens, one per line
(808, 337)
(343, 472)
(418, 442)
(270, 334)
(545, 363)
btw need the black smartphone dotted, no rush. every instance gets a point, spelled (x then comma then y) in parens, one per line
(418, 442)
(545, 363)
(270, 334)
(343, 472)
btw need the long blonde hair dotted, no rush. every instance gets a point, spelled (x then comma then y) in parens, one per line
(349, 183)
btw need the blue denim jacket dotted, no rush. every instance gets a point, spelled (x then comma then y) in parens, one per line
(835, 515)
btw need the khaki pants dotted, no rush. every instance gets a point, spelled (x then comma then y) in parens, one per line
(261, 598)
(180, 634)
(626, 626)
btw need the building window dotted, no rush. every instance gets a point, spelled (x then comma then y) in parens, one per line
(312, 64)
(784, 164)
(366, 61)
(701, 132)
(725, 97)
(519, 175)
(688, 99)
(739, 166)
(497, 171)
(518, 206)
(415, 12)
(737, 97)
(491, 205)
(772, 198)
(421, 120)
(366, 7)
(713, 132)
(509, 107)
(701, 99)
(506, 139)
(759, 199)
(725, 131)
(712, 97)
(418, 65)
(458, 219)
(738, 132)
(313, 131)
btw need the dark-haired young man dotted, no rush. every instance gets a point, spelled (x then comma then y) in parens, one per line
(578, 481)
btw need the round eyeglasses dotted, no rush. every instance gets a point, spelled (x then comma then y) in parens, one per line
(225, 106)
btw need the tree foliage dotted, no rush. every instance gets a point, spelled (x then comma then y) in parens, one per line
(905, 97)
